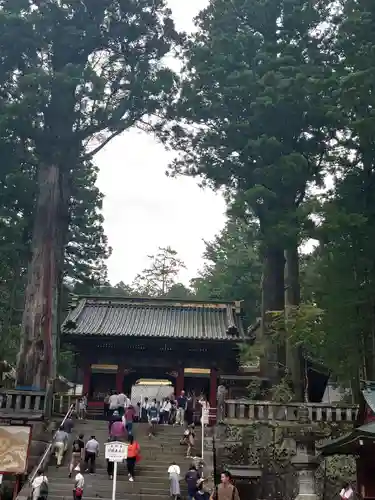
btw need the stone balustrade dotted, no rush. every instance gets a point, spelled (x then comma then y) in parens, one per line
(16, 403)
(236, 410)
(62, 402)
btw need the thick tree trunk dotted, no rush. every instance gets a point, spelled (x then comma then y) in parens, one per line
(272, 302)
(294, 357)
(37, 356)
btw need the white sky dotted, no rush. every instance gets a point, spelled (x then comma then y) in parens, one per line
(143, 208)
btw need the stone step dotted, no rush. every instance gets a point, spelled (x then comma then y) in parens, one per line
(149, 468)
(122, 476)
(121, 486)
(130, 496)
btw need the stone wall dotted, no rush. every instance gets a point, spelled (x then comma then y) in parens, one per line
(274, 460)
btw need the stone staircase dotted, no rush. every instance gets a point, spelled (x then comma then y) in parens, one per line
(151, 479)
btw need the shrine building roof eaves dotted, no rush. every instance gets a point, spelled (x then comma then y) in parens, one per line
(154, 318)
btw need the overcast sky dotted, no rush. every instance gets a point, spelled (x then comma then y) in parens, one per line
(143, 208)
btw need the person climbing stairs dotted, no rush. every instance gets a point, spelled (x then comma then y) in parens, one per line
(151, 481)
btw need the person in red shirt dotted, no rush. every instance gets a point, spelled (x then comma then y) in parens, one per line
(133, 456)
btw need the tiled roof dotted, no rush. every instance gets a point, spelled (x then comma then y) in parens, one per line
(154, 318)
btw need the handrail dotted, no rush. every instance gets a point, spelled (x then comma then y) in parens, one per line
(38, 467)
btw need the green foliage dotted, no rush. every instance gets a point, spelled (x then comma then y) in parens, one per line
(233, 268)
(253, 89)
(158, 279)
(74, 75)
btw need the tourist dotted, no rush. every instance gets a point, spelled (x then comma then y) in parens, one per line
(39, 486)
(77, 451)
(347, 492)
(174, 472)
(220, 399)
(121, 403)
(153, 418)
(133, 456)
(165, 411)
(137, 410)
(91, 452)
(189, 412)
(110, 464)
(173, 413)
(82, 408)
(113, 403)
(115, 417)
(68, 424)
(129, 419)
(181, 408)
(106, 405)
(117, 429)
(201, 493)
(190, 440)
(226, 489)
(79, 483)
(60, 445)
(191, 479)
(145, 408)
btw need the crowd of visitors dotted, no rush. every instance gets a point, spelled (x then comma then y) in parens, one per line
(121, 415)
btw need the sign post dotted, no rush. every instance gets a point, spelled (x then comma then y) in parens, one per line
(115, 451)
(204, 421)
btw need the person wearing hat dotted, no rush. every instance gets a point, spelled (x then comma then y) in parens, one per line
(79, 483)
(201, 493)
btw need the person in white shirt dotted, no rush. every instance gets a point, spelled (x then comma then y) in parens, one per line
(113, 403)
(174, 480)
(40, 486)
(144, 411)
(91, 452)
(121, 403)
(79, 483)
(347, 492)
(165, 411)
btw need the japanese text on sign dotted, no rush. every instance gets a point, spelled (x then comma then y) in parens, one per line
(116, 451)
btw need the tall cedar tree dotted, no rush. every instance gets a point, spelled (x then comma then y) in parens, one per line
(81, 73)
(253, 116)
(85, 252)
(346, 265)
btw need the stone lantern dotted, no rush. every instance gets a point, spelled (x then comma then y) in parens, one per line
(305, 461)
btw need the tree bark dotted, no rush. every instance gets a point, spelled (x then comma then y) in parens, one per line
(37, 356)
(272, 301)
(294, 356)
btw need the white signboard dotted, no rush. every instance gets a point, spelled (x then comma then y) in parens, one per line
(1, 478)
(205, 416)
(116, 451)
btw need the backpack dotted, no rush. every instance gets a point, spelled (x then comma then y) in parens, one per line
(43, 490)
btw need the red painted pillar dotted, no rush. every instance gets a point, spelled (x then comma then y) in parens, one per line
(120, 379)
(86, 379)
(213, 390)
(180, 382)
